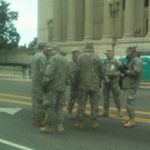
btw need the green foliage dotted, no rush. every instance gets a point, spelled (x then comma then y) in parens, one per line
(33, 43)
(9, 38)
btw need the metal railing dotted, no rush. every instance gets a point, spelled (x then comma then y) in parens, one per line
(14, 72)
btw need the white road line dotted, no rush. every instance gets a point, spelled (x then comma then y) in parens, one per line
(14, 145)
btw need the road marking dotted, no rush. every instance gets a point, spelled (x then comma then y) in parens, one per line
(11, 111)
(15, 101)
(14, 145)
(15, 96)
(29, 100)
(142, 120)
(137, 119)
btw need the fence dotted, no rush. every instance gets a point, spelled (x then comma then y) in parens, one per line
(15, 72)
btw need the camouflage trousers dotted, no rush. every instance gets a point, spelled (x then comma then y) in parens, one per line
(93, 97)
(115, 89)
(54, 103)
(37, 107)
(73, 98)
(129, 97)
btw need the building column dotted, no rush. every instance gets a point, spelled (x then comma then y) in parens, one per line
(44, 11)
(107, 28)
(148, 34)
(71, 32)
(56, 20)
(129, 18)
(88, 24)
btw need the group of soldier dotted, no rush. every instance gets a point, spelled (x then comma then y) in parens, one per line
(86, 75)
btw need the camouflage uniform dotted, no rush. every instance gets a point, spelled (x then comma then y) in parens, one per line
(38, 68)
(111, 83)
(131, 83)
(55, 81)
(73, 70)
(90, 72)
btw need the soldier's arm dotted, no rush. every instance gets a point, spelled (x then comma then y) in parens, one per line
(50, 71)
(42, 64)
(101, 69)
(136, 70)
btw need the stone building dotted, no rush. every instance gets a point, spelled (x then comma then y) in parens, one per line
(71, 23)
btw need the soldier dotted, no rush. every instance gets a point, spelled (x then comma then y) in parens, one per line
(38, 68)
(131, 83)
(73, 81)
(90, 73)
(55, 81)
(111, 82)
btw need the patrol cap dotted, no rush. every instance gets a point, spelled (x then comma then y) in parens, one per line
(55, 47)
(75, 50)
(42, 45)
(108, 51)
(63, 52)
(89, 45)
(131, 48)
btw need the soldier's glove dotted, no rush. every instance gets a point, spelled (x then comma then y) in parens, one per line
(46, 104)
(123, 68)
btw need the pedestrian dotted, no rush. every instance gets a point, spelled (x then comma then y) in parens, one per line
(131, 83)
(55, 81)
(111, 83)
(73, 70)
(90, 73)
(39, 64)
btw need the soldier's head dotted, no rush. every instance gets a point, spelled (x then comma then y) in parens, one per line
(109, 54)
(75, 54)
(54, 49)
(89, 47)
(44, 47)
(130, 52)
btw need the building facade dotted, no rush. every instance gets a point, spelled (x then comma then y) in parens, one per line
(71, 23)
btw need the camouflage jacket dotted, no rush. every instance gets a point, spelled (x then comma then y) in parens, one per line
(133, 73)
(73, 74)
(39, 63)
(56, 74)
(90, 71)
(111, 70)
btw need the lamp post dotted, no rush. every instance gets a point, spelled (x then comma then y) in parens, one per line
(114, 7)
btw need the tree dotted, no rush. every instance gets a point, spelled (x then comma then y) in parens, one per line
(9, 37)
(33, 43)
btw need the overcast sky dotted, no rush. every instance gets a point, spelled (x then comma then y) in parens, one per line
(27, 20)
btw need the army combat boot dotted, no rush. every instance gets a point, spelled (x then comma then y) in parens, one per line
(47, 129)
(60, 128)
(95, 124)
(131, 123)
(124, 121)
(79, 124)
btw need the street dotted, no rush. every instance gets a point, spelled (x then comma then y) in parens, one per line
(18, 133)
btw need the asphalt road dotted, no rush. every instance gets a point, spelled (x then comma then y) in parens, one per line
(18, 133)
